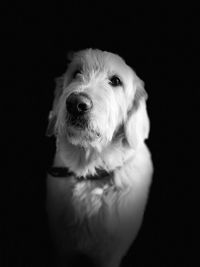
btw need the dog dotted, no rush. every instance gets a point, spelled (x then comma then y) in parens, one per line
(98, 185)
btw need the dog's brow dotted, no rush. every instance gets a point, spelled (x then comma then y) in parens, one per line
(117, 73)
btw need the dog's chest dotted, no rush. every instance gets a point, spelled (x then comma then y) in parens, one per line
(93, 198)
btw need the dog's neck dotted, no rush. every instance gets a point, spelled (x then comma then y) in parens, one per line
(86, 161)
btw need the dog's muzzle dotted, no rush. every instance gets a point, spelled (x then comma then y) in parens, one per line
(78, 106)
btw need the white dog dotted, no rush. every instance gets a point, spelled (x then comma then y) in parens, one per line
(98, 186)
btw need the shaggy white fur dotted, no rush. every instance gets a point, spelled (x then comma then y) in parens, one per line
(99, 218)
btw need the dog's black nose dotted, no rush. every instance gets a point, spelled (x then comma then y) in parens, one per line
(78, 104)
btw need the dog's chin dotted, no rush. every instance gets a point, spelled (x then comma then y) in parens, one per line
(83, 136)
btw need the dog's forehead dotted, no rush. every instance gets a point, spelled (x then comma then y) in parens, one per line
(100, 61)
(115, 63)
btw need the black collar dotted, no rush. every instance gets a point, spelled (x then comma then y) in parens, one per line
(65, 172)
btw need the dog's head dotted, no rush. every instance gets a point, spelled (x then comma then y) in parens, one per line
(97, 98)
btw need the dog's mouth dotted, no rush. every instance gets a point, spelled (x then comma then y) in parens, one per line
(77, 122)
(81, 129)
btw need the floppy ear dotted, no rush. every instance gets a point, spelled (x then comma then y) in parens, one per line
(53, 113)
(51, 125)
(137, 125)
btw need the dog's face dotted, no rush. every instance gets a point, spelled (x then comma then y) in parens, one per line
(98, 96)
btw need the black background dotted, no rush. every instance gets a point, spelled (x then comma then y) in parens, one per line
(160, 43)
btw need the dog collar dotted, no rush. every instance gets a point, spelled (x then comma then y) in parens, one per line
(59, 172)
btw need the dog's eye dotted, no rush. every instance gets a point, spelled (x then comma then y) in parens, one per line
(115, 81)
(76, 72)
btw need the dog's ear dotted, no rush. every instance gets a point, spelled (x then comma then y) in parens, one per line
(137, 125)
(53, 113)
(51, 125)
